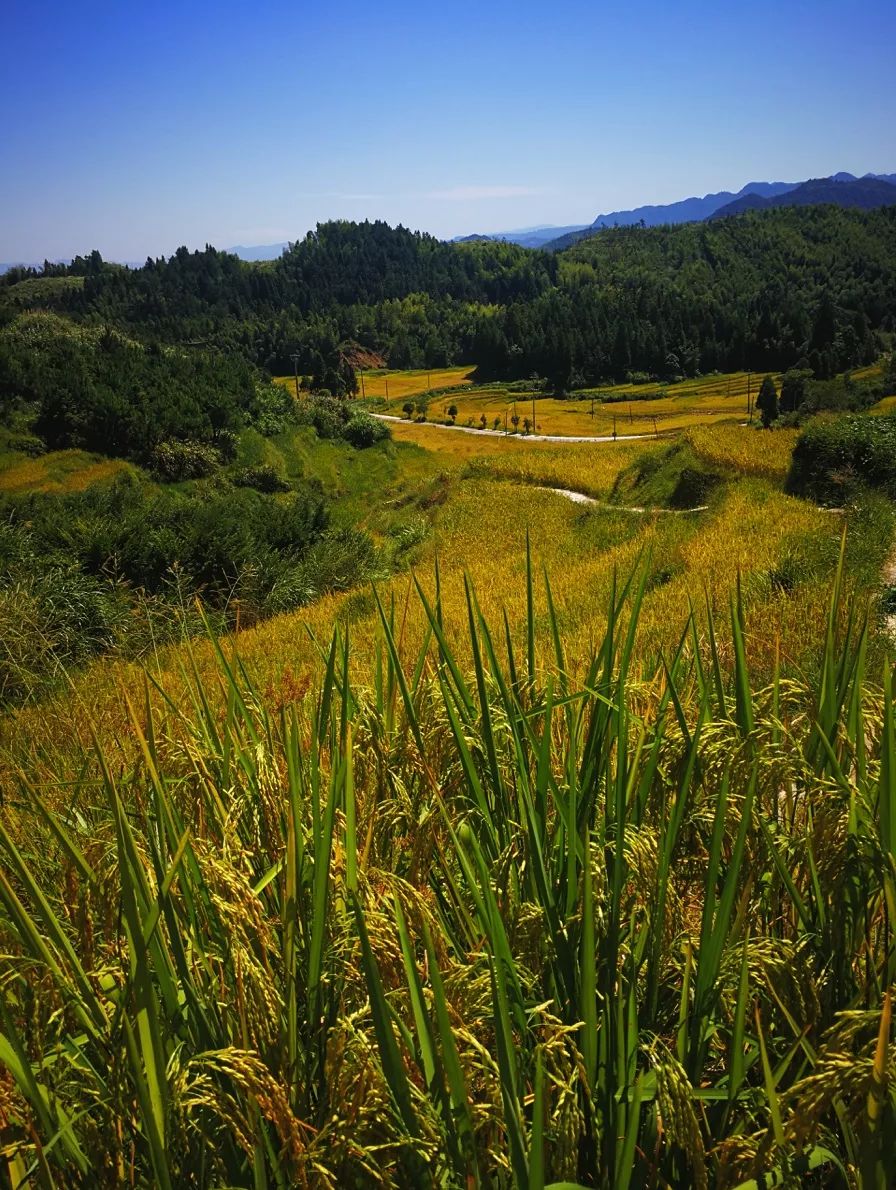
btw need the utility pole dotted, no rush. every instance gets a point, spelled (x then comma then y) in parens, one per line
(749, 396)
(295, 364)
(655, 430)
(363, 393)
(592, 406)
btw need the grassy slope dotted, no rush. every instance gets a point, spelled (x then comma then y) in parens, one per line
(474, 520)
(57, 471)
(619, 947)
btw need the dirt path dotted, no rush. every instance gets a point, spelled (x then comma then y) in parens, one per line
(581, 498)
(521, 437)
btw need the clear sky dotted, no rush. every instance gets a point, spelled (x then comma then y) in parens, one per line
(134, 127)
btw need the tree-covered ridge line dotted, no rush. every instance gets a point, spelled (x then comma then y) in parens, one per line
(812, 287)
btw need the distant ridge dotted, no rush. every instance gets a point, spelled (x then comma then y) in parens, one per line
(689, 210)
(526, 237)
(259, 251)
(753, 196)
(842, 191)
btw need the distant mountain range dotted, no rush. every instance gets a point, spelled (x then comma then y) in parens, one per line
(259, 251)
(844, 189)
(866, 193)
(526, 237)
(529, 237)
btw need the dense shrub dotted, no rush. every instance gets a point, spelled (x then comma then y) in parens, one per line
(273, 409)
(122, 567)
(335, 418)
(52, 613)
(694, 487)
(175, 461)
(326, 414)
(103, 392)
(262, 477)
(675, 477)
(362, 430)
(834, 457)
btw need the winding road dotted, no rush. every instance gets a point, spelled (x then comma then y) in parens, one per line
(520, 437)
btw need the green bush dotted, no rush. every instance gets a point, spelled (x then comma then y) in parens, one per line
(174, 461)
(101, 391)
(832, 458)
(262, 477)
(326, 414)
(694, 487)
(362, 430)
(274, 409)
(340, 560)
(675, 477)
(122, 567)
(53, 617)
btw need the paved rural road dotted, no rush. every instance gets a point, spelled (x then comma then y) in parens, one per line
(522, 437)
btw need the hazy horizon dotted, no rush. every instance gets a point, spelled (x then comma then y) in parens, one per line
(137, 131)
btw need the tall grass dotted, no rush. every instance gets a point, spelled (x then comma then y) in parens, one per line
(466, 924)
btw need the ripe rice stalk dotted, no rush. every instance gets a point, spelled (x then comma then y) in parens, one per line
(487, 916)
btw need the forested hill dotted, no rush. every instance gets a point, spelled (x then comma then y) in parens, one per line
(814, 286)
(339, 264)
(342, 263)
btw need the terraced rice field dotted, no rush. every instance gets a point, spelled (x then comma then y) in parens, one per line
(621, 408)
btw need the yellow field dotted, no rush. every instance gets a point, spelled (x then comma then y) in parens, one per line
(412, 383)
(468, 446)
(871, 372)
(885, 406)
(593, 469)
(59, 471)
(477, 523)
(748, 450)
(579, 466)
(705, 401)
(481, 531)
(401, 384)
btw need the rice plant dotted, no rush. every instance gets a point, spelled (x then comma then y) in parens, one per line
(479, 923)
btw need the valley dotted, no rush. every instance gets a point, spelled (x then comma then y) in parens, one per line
(389, 802)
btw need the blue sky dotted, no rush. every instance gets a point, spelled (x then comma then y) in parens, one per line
(135, 127)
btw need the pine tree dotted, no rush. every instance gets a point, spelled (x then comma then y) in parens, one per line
(767, 401)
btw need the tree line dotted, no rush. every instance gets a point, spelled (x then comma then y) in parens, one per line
(811, 288)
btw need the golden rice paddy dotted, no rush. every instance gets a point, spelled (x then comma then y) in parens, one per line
(617, 408)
